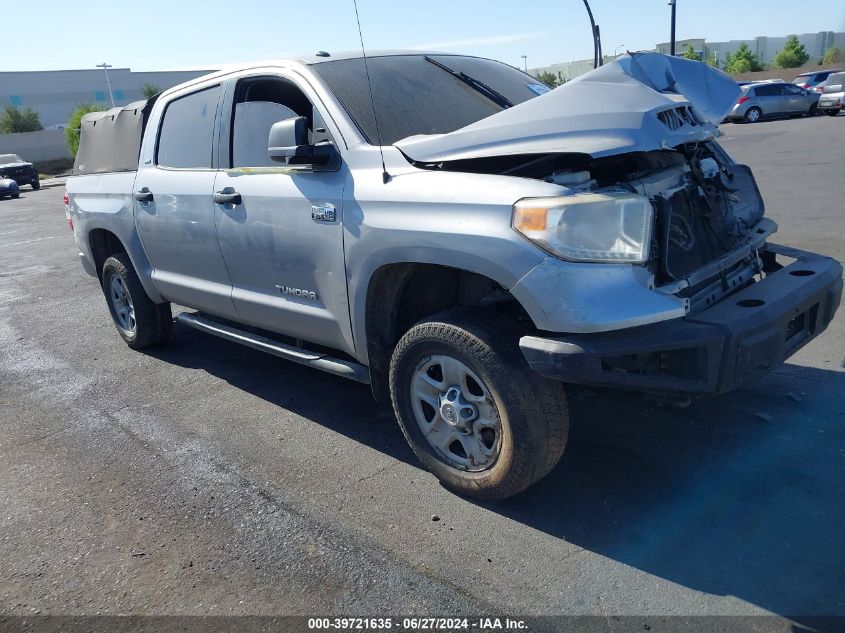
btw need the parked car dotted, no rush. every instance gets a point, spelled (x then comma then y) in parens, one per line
(9, 187)
(832, 97)
(769, 99)
(461, 238)
(15, 167)
(811, 79)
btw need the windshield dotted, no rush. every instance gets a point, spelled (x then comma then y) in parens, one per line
(418, 94)
(5, 159)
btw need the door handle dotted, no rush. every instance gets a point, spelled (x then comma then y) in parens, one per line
(227, 196)
(144, 195)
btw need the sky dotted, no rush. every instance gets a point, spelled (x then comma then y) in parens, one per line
(178, 34)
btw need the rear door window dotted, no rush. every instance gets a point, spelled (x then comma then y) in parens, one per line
(187, 131)
(770, 90)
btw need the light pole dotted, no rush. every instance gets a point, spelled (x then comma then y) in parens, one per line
(525, 62)
(615, 50)
(106, 67)
(672, 38)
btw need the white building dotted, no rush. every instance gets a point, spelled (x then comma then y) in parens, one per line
(816, 44)
(55, 93)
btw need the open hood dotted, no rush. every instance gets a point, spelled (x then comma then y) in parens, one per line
(638, 102)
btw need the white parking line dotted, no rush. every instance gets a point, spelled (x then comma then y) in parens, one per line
(38, 239)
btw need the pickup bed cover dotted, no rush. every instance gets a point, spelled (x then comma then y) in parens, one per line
(111, 141)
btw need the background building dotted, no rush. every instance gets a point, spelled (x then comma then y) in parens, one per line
(55, 93)
(816, 44)
(763, 46)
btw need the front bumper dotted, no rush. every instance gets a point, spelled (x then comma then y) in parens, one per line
(710, 352)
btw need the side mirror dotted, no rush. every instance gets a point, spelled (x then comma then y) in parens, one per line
(288, 144)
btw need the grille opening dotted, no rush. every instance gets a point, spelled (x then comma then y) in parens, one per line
(684, 363)
(751, 303)
(802, 273)
(796, 326)
(802, 326)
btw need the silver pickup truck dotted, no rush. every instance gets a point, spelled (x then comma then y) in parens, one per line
(450, 231)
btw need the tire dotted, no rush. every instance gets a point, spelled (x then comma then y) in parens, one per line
(140, 322)
(36, 185)
(16, 195)
(814, 110)
(753, 114)
(831, 112)
(521, 420)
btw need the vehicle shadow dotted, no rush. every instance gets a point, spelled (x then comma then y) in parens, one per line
(740, 495)
(336, 403)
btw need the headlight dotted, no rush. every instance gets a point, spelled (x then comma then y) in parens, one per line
(591, 227)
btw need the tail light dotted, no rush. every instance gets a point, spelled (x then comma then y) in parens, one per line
(743, 100)
(66, 200)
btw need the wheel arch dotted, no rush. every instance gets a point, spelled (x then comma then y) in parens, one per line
(401, 294)
(102, 242)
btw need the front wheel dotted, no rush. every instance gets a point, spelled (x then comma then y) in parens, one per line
(753, 115)
(139, 321)
(470, 407)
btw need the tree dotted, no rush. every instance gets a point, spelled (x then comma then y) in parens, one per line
(75, 123)
(691, 54)
(150, 90)
(550, 79)
(833, 55)
(742, 61)
(14, 120)
(792, 55)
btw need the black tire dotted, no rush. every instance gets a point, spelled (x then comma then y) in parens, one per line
(831, 112)
(153, 321)
(36, 185)
(752, 118)
(532, 410)
(814, 110)
(16, 195)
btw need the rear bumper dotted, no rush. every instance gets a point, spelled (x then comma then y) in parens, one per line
(710, 352)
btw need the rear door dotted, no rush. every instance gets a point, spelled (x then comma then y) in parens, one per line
(174, 212)
(283, 239)
(769, 98)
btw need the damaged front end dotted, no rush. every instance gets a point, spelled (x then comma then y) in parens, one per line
(703, 303)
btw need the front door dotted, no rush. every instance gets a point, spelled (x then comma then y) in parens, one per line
(282, 236)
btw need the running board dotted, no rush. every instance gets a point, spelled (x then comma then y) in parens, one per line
(337, 366)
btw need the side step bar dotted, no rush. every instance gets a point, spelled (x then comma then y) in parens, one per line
(337, 366)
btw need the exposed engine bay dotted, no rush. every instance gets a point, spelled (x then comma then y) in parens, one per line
(705, 206)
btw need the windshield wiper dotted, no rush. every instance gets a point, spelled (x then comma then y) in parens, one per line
(479, 86)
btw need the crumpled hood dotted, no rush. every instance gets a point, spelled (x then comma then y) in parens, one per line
(638, 102)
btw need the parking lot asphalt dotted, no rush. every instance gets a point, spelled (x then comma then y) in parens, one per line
(206, 478)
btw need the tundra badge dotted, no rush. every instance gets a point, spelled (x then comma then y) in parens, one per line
(297, 292)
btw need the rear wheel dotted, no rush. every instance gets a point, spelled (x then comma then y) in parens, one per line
(814, 109)
(470, 407)
(752, 115)
(36, 184)
(139, 321)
